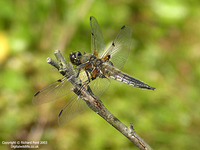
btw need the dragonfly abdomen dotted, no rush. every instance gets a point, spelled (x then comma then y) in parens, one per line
(118, 75)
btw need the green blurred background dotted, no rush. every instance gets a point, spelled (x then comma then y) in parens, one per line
(165, 53)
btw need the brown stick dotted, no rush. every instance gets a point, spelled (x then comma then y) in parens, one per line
(94, 103)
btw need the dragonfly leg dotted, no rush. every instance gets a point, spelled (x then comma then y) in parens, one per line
(79, 70)
(94, 73)
(87, 76)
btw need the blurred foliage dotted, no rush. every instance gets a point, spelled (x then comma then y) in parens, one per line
(165, 53)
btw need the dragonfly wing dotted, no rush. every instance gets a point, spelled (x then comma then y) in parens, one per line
(52, 92)
(72, 108)
(99, 86)
(75, 105)
(119, 49)
(97, 41)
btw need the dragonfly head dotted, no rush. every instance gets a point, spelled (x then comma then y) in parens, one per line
(75, 58)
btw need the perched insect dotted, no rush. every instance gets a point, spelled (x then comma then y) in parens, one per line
(105, 63)
(94, 70)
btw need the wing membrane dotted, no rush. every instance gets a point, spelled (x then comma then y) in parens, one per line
(119, 49)
(75, 105)
(72, 108)
(99, 86)
(52, 92)
(97, 41)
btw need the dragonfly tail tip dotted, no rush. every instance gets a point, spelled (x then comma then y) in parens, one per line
(152, 88)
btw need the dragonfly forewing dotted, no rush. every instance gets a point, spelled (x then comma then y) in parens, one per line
(97, 40)
(54, 91)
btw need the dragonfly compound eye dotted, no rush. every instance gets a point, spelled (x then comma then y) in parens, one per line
(75, 58)
(79, 54)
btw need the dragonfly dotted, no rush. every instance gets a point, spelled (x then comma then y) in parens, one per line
(106, 63)
(94, 69)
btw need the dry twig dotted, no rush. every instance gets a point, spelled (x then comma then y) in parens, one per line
(94, 103)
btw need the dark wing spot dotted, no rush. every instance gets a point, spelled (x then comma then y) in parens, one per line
(59, 80)
(90, 18)
(60, 113)
(113, 44)
(123, 27)
(92, 34)
(37, 93)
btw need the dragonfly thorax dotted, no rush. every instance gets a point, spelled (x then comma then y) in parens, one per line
(98, 62)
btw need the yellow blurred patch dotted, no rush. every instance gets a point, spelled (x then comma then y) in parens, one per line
(4, 47)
